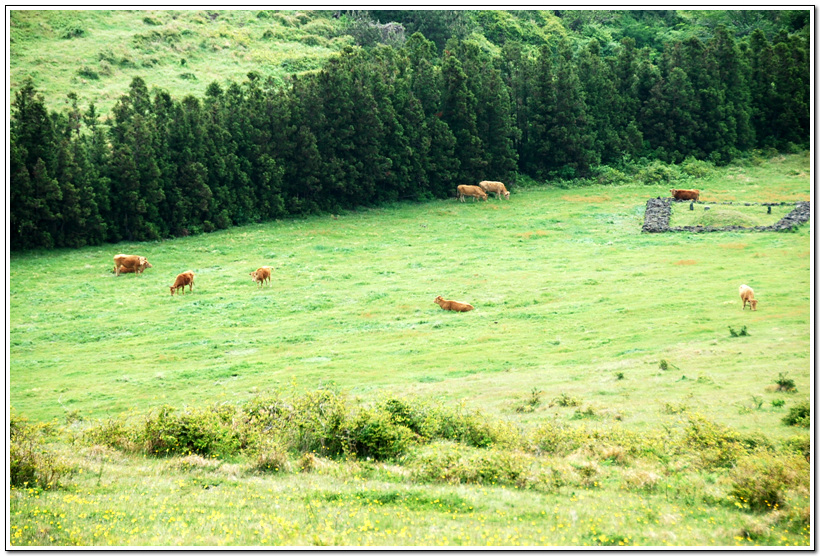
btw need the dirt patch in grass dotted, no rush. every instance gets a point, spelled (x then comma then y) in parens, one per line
(734, 245)
(686, 262)
(586, 199)
(537, 233)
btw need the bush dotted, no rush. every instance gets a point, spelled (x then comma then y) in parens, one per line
(785, 384)
(272, 459)
(449, 463)
(374, 434)
(799, 415)
(696, 168)
(658, 172)
(760, 480)
(204, 432)
(31, 464)
(88, 73)
(113, 433)
(606, 175)
(72, 31)
(715, 445)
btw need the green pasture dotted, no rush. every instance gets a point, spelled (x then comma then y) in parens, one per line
(572, 300)
(96, 53)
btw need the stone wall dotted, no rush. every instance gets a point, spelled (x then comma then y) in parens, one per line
(658, 211)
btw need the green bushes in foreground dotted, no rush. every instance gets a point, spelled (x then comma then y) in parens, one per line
(330, 425)
(31, 463)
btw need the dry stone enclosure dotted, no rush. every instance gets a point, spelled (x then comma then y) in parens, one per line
(659, 210)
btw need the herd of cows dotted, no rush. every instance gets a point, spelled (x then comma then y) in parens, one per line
(137, 264)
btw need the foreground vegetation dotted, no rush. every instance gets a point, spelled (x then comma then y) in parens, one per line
(607, 390)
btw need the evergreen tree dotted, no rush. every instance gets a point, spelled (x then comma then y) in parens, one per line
(459, 113)
(136, 187)
(34, 192)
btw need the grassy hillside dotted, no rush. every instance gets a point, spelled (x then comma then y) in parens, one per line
(581, 321)
(96, 53)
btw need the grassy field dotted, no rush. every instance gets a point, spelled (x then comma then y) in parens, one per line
(96, 53)
(572, 302)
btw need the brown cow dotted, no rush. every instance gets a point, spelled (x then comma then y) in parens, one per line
(470, 191)
(495, 187)
(184, 279)
(261, 274)
(747, 294)
(685, 194)
(130, 263)
(449, 305)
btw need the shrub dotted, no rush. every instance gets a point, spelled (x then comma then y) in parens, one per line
(31, 464)
(715, 445)
(640, 480)
(272, 459)
(72, 31)
(658, 172)
(204, 432)
(760, 480)
(113, 433)
(374, 434)
(696, 168)
(88, 73)
(778, 403)
(734, 333)
(785, 384)
(606, 175)
(799, 415)
(566, 401)
(798, 444)
(450, 464)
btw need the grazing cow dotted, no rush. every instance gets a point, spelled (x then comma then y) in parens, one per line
(747, 294)
(261, 274)
(470, 191)
(449, 305)
(495, 187)
(685, 194)
(130, 263)
(184, 279)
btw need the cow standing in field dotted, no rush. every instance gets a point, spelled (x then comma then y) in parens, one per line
(183, 279)
(747, 294)
(130, 263)
(685, 194)
(261, 274)
(470, 191)
(495, 187)
(449, 305)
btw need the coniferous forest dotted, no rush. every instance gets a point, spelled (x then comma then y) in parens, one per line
(417, 106)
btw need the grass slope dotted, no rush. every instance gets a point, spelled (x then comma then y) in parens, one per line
(571, 299)
(96, 53)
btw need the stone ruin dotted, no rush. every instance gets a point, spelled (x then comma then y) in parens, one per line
(659, 210)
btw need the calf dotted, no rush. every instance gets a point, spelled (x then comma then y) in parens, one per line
(747, 294)
(261, 274)
(685, 194)
(184, 279)
(470, 191)
(130, 263)
(495, 187)
(449, 305)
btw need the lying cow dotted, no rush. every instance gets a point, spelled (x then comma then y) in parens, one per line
(495, 187)
(470, 191)
(261, 274)
(449, 305)
(747, 294)
(184, 279)
(685, 194)
(130, 263)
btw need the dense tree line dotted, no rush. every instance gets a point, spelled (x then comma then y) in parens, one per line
(383, 124)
